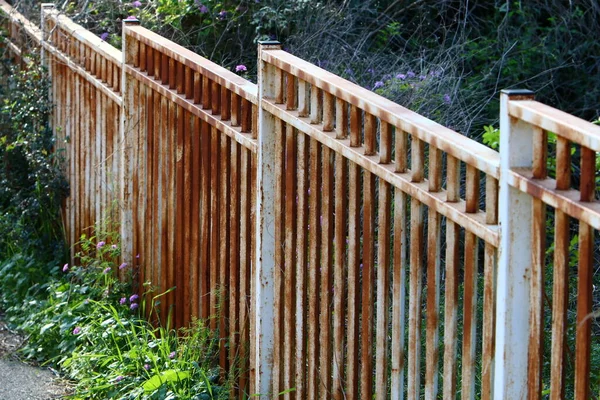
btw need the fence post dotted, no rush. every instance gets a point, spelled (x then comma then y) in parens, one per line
(129, 54)
(515, 259)
(44, 8)
(264, 287)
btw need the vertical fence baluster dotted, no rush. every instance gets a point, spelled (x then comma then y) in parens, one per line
(398, 296)
(290, 281)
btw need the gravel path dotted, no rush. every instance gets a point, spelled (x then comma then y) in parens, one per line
(20, 381)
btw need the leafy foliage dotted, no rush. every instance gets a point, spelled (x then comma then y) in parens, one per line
(32, 187)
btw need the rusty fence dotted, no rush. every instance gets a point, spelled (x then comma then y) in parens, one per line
(342, 245)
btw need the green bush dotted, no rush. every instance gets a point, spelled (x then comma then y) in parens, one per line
(32, 187)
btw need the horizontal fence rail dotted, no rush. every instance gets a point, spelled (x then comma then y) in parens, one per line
(20, 35)
(341, 245)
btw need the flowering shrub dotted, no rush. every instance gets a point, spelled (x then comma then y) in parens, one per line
(92, 326)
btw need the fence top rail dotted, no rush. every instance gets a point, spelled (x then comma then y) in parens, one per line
(215, 72)
(86, 37)
(550, 119)
(31, 29)
(447, 140)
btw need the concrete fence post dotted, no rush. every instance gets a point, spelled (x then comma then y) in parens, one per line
(129, 54)
(515, 259)
(264, 272)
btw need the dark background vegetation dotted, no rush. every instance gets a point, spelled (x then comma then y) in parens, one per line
(462, 53)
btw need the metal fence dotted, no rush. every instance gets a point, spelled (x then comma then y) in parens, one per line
(342, 245)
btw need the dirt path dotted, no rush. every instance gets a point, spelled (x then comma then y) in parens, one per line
(20, 381)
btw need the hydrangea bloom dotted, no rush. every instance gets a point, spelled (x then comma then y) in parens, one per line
(241, 68)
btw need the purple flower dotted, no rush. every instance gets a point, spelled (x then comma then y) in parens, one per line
(118, 378)
(147, 367)
(106, 270)
(104, 36)
(371, 71)
(114, 247)
(401, 76)
(222, 15)
(410, 74)
(77, 330)
(100, 244)
(133, 306)
(241, 68)
(131, 17)
(172, 355)
(66, 267)
(422, 77)
(377, 85)
(201, 7)
(133, 298)
(123, 300)
(123, 266)
(447, 98)
(136, 4)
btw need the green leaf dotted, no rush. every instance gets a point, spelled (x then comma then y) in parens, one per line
(157, 380)
(46, 327)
